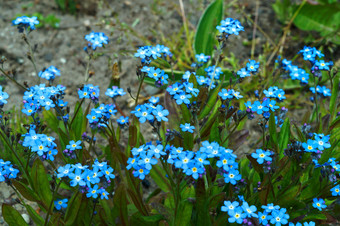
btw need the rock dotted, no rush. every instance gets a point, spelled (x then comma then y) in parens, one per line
(26, 218)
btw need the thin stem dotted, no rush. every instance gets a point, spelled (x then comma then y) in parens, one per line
(94, 208)
(12, 79)
(216, 63)
(86, 75)
(316, 102)
(31, 58)
(253, 43)
(51, 203)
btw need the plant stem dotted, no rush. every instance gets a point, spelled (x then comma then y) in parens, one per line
(86, 75)
(12, 79)
(50, 206)
(31, 58)
(94, 208)
(316, 101)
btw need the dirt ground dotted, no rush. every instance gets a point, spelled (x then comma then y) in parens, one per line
(63, 47)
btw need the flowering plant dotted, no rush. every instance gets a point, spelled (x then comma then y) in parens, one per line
(291, 176)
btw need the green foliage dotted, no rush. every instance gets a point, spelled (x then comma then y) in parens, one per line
(69, 6)
(49, 21)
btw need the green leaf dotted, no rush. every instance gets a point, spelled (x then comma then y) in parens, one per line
(139, 219)
(206, 29)
(284, 137)
(334, 97)
(73, 208)
(41, 183)
(77, 125)
(51, 120)
(322, 18)
(158, 175)
(12, 216)
(35, 216)
(120, 201)
(25, 191)
(211, 102)
(272, 129)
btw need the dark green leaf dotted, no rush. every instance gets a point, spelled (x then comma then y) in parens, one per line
(120, 201)
(284, 137)
(158, 175)
(25, 191)
(41, 183)
(73, 208)
(206, 29)
(334, 97)
(12, 216)
(211, 102)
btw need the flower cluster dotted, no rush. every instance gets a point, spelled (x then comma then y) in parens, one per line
(7, 171)
(182, 93)
(41, 96)
(229, 94)
(251, 68)
(320, 143)
(321, 91)
(41, 144)
(89, 92)
(275, 92)
(144, 157)
(295, 72)
(311, 54)
(114, 92)
(242, 214)
(3, 97)
(157, 74)
(212, 72)
(96, 39)
(49, 73)
(24, 22)
(262, 108)
(148, 53)
(88, 179)
(99, 116)
(150, 112)
(230, 26)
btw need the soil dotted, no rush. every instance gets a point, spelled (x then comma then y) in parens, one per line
(63, 47)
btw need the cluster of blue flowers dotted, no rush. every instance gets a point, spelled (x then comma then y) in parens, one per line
(295, 72)
(321, 91)
(230, 26)
(311, 54)
(49, 73)
(262, 108)
(229, 94)
(114, 92)
(275, 92)
(3, 97)
(148, 53)
(242, 214)
(88, 179)
(320, 143)
(41, 96)
(41, 144)
(182, 93)
(7, 171)
(96, 39)
(144, 157)
(149, 112)
(24, 22)
(89, 92)
(157, 74)
(251, 68)
(99, 116)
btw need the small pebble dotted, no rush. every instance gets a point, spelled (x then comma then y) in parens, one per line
(26, 218)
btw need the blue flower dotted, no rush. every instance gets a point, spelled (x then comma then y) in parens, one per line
(189, 88)
(146, 160)
(279, 217)
(60, 203)
(243, 73)
(236, 215)
(232, 176)
(259, 108)
(144, 114)
(319, 204)
(96, 39)
(194, 169)
(336, 190)
(103, 194)
(202, 58)
(322, 65)
(187, 127)
(74, 145)
(92, 192)
(230, 26)
(3, 97)
(249, 210)
(270, 207)
(160, 113)
(77, 178)
(264, 218)
(182, 98)
(26, 22)
(229, 206)
(123, 120)
(261, 156)
(154, 100)
(310, 146)
(175, 89)
(253, 66)
(140, 172)
(114, 92)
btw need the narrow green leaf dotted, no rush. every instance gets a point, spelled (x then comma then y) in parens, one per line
(186, 113)
(41, 183)
(25, 191)
(206, 29)
(334, 97)
(73, 208)
(120, 201)
(77, 124)
(272, 129)
(35, 216)
(12, 216)
(158, 175)
(284, 137)
(211, 102)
